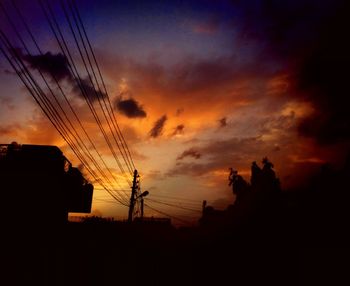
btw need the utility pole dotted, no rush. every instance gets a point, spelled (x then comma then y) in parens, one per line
(204, 206)
(141, 207)
(132, 198)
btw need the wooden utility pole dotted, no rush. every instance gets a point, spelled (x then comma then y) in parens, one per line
(141, 207)
(132, 198)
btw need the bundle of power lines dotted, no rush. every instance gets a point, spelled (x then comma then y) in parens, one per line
(57, 106)
(62, 114)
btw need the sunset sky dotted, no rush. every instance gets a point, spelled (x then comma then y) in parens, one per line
(197, 87)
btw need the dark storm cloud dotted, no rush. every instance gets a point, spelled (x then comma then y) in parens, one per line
(88, 89)
(57, 67)
(54, 65)
(178, 130)
(284, 27)
(310, 37)
(324, 75)
(158, 127)
(223, 122)
(130, 108)
(189, 153)
(220, 155)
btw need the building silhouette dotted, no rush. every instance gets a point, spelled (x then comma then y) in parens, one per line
(39, 186)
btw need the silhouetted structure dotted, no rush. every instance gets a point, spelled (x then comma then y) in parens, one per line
(153, 221)
(255, 174)
(256, 204)
(239, 185)
(212, 217)
(39, 182)
(263, 238)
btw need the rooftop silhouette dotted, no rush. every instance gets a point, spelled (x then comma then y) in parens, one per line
(38, 182)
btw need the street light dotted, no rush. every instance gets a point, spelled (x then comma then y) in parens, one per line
(145, 193)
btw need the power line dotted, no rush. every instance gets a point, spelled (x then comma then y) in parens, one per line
(71, 65)
(182, 199)
(108, 201)
(103, 83)
(27, 82)
(74, 72)
(55, 111)
(90, 78)
(175, 206)
(46, 83)
(168, 215)
(41, 99)
(121, 146)
(80, 141)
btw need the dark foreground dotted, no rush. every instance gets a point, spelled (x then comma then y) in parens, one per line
(267, 237)
(119, 254)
